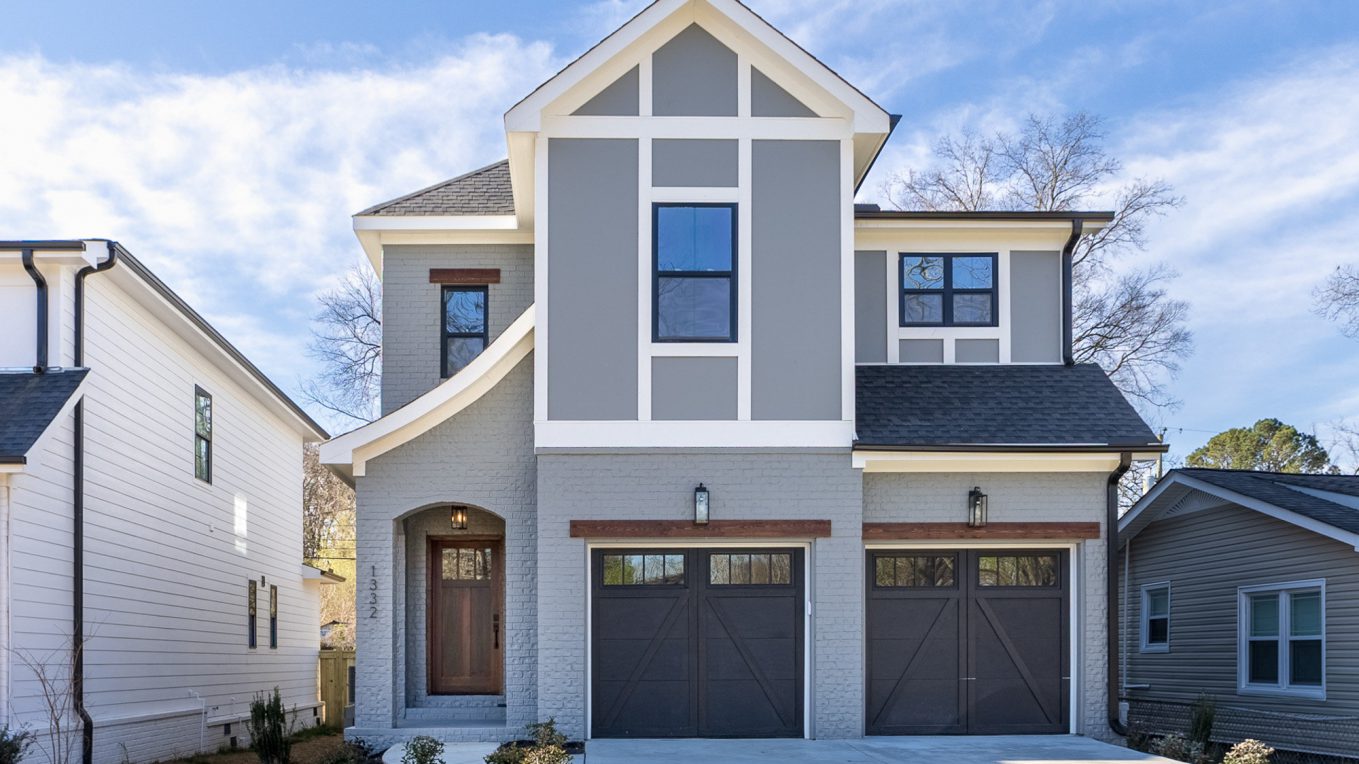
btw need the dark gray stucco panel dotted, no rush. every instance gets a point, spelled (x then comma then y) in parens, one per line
(693, 388)
(870, 307)
(767, 99)
(921, 351)
(1035, 307)
(795, 256)
(976, 351)
(694, 163)
(617, 100)
(592, 278)
(693, 75)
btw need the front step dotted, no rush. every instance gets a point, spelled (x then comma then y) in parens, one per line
(434, 717)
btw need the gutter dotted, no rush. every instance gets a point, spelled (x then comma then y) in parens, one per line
(1077, 227)
(40, 367)
(78, 518)
(1111, 593)
(1080, 448)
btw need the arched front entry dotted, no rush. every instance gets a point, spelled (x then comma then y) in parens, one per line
(462, 575)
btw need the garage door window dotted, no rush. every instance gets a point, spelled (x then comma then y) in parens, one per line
(1024, 570)
(643, 569)
(915, 571)
(750, 569)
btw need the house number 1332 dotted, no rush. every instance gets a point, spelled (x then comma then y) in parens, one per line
(372, 594)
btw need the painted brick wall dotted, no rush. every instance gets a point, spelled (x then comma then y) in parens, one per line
(806, 484)
(483, 456)
(411, 310)
(1020, 497)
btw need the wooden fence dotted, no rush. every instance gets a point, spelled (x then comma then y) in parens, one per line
(335, 677)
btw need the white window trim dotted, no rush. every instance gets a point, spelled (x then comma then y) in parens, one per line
(1245, 687)
(1145, 618)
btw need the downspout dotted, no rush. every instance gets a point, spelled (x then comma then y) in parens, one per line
(1111, 590)
(1077, 228)
(41, 283)
(78, 520)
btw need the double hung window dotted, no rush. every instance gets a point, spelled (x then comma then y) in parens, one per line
(1156, 618)
(464, 326)
(1282, 646)
(694, 282)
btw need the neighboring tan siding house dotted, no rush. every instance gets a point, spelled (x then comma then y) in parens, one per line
(182, 516)
(1244, 587)
(679, 442)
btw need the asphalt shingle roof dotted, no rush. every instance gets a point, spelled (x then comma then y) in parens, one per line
(485, 191)
(28, 404)
(1273, 488)
(954, 405)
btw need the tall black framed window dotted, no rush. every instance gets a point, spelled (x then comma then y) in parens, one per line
(464, 326)
(948, 289)
(202, 434)
(251, 619)
(693, 296)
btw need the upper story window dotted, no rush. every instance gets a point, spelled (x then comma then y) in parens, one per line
(1282, 640)
(948, 289)
(694, 288)
(1156, 618)
(464, 326)
(202, 435)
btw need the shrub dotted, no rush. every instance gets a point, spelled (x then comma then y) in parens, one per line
(353, 752)
(422, 750)
(1248, 752)
(268, 729)
(547, 747)
(1178, 748)
(14, 744)
(1201, 720)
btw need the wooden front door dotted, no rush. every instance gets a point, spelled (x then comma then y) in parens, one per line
(466, 593)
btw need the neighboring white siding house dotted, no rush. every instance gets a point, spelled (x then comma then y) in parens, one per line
(168, 556)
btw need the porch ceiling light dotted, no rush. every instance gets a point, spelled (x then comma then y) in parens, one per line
(700, 505)
(458, 518)
(976, 508)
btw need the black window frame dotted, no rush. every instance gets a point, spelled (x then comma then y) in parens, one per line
(445, 335)
(200, 394)
(273, 616)
(252, 619)
(947, 291)
(730, 275)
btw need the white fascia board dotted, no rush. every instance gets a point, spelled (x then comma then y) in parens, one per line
(435, 222)
(555, 434)
(972, 224)
(1249, 502)
(870, 460)
(526, 115)
(459, 391)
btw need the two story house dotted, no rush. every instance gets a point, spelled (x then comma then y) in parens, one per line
(678, 441)
(151, 577)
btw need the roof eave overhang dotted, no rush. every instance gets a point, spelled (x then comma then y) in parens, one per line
(1149, 509)
(994, 458)
(376, 231)
(910, 220)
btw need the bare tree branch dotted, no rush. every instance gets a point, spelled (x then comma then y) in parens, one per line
(1337, 299)
(347, 340)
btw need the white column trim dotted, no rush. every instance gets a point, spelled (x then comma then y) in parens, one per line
(893, 308)
(644, 199)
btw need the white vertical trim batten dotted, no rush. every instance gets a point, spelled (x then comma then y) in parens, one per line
(540, 275)
(644, 276)
(744, 276)
(847, 279)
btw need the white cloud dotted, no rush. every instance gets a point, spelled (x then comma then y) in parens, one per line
(237, 188)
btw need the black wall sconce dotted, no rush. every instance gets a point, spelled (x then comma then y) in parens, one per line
(700, 505)
(458, 518)
(976, 508)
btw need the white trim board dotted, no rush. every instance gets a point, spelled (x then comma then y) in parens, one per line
(870, 460)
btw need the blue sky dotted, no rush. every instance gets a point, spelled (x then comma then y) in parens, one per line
(227, 144)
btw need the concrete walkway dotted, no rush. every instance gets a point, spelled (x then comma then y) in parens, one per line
(1011, 749)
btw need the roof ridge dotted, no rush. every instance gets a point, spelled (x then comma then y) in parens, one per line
(376, 208)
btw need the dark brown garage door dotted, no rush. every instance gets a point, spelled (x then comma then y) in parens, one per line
(697, 643)
(967, 642)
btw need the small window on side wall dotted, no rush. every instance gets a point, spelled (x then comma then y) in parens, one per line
(948, 289)
(273, 617)
(1156, 618)
(251, 618)
(464, 327)
(694, 283)
(202, 435)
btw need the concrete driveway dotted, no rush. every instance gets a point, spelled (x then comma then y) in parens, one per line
(1011, 749)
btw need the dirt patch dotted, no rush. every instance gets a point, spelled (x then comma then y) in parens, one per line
(313, 750)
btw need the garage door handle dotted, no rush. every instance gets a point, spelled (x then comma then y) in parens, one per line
(495, 629)
(968, 679)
